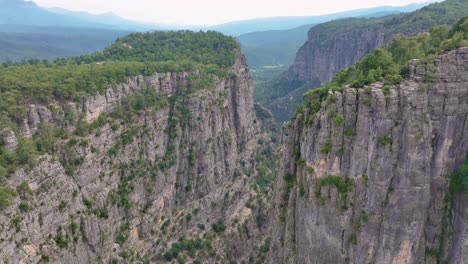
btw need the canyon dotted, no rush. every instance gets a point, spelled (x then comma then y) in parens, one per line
(155, 151)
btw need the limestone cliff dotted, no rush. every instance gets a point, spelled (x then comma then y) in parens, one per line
(370, 186)
(326, 51)
(177, 176)
(336, 45)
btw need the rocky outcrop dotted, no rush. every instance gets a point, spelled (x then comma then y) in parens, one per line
(364, 180)
(9, 140)
(338, 44)
(329, 49)
(93, 107)
(181, 172)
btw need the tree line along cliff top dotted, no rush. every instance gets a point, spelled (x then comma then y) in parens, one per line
(132, 55)
(202, 54)
(390, 64)
(444, 13)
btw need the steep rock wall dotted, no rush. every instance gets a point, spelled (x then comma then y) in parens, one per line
(138, 187)
(325, 53)
(371, 187)
(337, 45)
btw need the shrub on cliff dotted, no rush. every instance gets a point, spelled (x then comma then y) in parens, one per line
(219, 226)
(6, 195)
(459, 180)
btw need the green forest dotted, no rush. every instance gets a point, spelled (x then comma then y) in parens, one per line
(132, 55)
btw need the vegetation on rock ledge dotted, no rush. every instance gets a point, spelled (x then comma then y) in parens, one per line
(41, 82)
(391, 64)
(459, 180)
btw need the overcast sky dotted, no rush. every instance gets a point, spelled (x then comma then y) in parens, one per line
(209, 12)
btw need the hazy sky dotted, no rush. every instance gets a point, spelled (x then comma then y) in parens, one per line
(208, 12)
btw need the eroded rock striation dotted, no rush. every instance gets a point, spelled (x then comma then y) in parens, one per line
(326, 52)
(365, 179)
(178, 175)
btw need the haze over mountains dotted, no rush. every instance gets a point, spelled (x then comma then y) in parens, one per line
(20, 12)
(282, 23)
(29, 31)
(279, 46)
(26, 13)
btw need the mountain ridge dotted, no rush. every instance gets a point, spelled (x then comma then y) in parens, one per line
(73, 27)
(283, 23)
(111, 21)
(29, 13)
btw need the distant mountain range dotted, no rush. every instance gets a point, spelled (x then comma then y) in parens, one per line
(26, 13)
(107, 20)
(273, 47)
(282, 23)
(279, 47)
(29, 31)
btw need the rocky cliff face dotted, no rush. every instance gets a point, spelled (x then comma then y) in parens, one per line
(337, 45)
(365, 179)
(326, 52)
(178, 176)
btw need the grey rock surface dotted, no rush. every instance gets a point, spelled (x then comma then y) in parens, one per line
(402, 148)
(120, 204)
(9, 140)
(320, 58)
